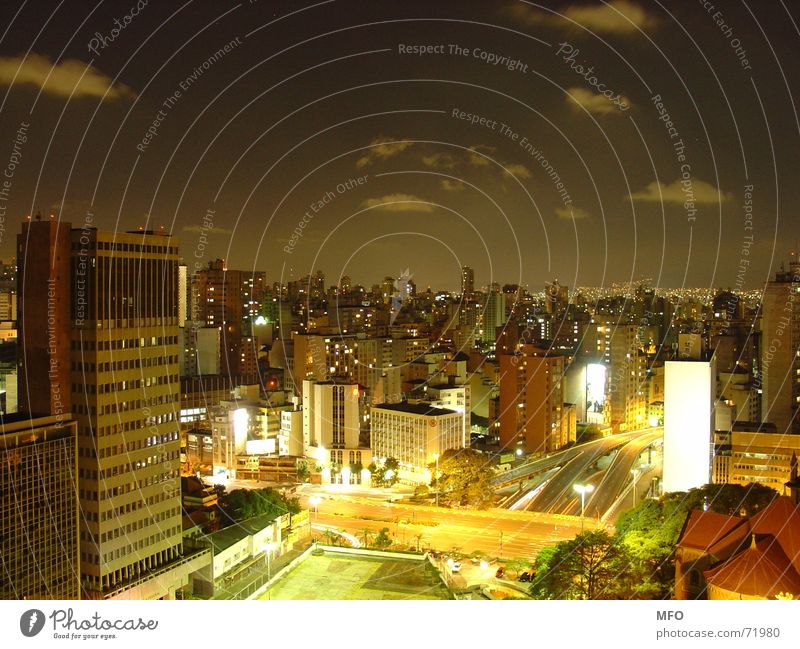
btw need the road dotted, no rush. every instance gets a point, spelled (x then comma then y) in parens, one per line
(497, 533)
(618, 475)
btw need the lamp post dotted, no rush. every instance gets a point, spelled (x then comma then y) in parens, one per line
(268, 548)
(436, 457)
(635, 474)
(583, 490)
(314, 501)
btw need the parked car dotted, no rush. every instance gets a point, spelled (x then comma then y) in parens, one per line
(456, 567)
(501, 572)
(525, 576)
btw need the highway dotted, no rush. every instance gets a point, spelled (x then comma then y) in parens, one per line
(498, 533)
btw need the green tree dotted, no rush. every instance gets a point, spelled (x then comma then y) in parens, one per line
(382, 540)
(590, 566)
(518, 565)
(464, 479)
(303, 470)
(366, 534)
(241, 504)
(588, 433)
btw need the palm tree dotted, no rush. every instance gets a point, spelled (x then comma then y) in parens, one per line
(366, 533)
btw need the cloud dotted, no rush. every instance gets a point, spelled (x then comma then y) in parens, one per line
(616, 17)
(570, 213)
(451, 185)
(518, 170)
(478, 160)
(398, 203)
(381, 148)
(595, 103)
(681, 191)
(199, 228)
(440, 160)
(71, 77)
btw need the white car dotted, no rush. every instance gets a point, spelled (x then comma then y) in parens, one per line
(456, 567)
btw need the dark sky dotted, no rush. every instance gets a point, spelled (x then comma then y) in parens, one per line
(311, 95)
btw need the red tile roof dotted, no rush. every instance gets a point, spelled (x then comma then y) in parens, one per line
(762, 570)
(705, 529)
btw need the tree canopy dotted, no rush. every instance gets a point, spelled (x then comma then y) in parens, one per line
(241, 504)
(464, 478)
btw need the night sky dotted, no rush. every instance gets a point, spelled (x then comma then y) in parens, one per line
(229, 123)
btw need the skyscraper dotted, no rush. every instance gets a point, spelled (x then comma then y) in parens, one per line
(122, 337)
(467, 282)
(780, 341)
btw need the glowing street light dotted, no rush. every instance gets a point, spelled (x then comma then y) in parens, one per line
(635, 474)
(267, 548)
(314, 501)
(583, 490)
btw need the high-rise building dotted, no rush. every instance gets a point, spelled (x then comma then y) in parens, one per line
(689, 394)
(467, 282)
(122, 344)
(494, 314)
(531, 400)
(780, 339)
(39, 509)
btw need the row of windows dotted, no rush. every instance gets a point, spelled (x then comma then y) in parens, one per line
(128, 364)
(86, 535)
(148, 503)
(125, 343)
(125, 247)
(125, 406)
(107, 388)
(128, 467)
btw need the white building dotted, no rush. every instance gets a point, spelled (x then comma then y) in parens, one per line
(689, 394)
(414, 434)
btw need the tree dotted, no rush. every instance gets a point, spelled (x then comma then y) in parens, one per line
(464, 479)
(590, 566)
(518, 565)
(382, 540)
(303, 470)
(366, 533)
(386, 474)
(242, 504)
(588, 433)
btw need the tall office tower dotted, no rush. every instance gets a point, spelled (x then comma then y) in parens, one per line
(39, 508)
(467, 282)
(44, 290)
(345, 284)
(531, 400)
(689, 393)
(626, 385)
(122, 341)
(780, 358)
(126, 393)
(217, 298)
(494, 314)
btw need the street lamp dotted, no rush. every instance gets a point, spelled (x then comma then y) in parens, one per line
(583, 490)
(635, 474)
(436, 457)
(314, 501)
(267, 549)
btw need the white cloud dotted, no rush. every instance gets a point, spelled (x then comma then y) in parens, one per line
(440, 160)
(681, 191)
(595, 103)
(70, 77)
(398, 203)
(518, 170)
(449, 185)
(570, 213)
(616, 17)
(381, 148)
